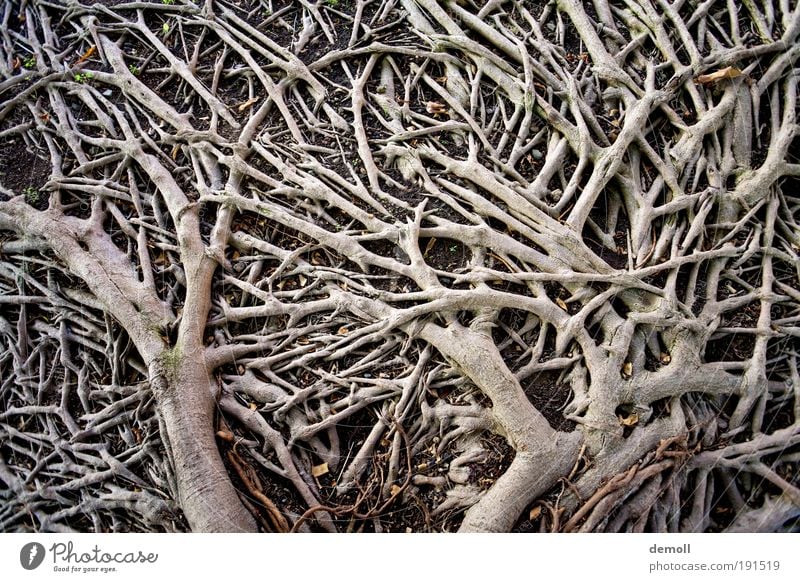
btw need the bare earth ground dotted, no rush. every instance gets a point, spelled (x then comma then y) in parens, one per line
(399, 265)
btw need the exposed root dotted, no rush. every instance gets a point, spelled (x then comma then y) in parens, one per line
(419, 265)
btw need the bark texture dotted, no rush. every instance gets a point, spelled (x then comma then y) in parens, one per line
(392, 265)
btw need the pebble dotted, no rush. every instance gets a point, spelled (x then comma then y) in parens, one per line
(536, 154)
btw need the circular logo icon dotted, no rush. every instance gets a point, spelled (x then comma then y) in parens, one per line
(31, 555)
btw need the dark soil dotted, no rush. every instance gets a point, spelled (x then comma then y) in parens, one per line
(550, 398)
(24, 172)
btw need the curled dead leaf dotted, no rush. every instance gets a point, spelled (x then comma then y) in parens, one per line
(561, 303)
(665, 358)
(630, 420)
(429, 246)
(725, 73)
(627, 370)
(535, 513)
(87, 55)
(319, 470)
(395, 489)
(249, 103)
(435, 108)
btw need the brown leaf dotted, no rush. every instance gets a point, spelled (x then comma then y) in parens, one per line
(631, 420)
(627, 370)
(726, 73)
(342, 330)
(535, 513)
(249, 103)
(319, 470)
(665, 358)
(395, 489)
(253, 406)
(435, 108)
(86, 55)
(429, 246)
(561, 303)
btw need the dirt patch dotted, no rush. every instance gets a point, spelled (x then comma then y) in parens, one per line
(24, 172)
(550, 397)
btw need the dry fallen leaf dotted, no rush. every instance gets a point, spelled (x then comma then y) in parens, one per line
(561, 303)
(253, 406)
(319, 470)
(535, 513)
(627, 370)
(665, 358)
(435, 108)
(249, 103)
(395, 489)
(342, 330)
(86, 55)
(631, 420)
(726, 73)
(429, 246)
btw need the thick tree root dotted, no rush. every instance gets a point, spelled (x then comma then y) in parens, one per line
(381, 265)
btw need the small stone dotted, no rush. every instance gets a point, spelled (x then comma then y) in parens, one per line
(536, 154)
